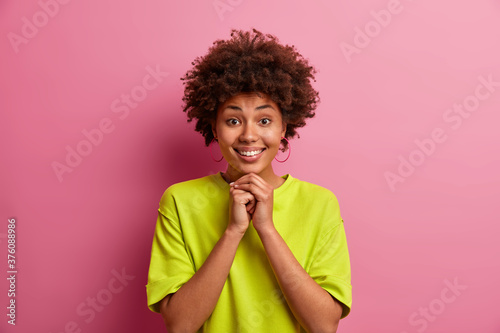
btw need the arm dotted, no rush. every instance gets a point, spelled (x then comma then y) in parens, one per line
(313, 307)
(192, 304)
(188, 308)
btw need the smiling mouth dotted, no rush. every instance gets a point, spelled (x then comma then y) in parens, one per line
(250, 153)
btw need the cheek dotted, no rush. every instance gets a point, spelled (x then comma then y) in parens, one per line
(226, 137)
(272, 138)
(221, 130)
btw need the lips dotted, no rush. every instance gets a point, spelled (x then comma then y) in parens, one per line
(249, 152)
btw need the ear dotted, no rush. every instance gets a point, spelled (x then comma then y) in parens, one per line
(214, 129)
(283, 130)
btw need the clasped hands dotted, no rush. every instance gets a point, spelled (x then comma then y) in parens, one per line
(251, 198)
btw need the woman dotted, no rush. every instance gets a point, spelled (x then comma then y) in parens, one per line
(247, 250)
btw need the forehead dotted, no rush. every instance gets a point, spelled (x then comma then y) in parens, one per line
(249, 100)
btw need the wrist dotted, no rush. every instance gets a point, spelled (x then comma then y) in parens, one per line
(266, 230)
(234, 232)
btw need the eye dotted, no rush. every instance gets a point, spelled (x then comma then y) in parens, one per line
(265, 121)
(232, 121)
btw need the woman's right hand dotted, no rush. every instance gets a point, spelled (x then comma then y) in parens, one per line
(241, 208)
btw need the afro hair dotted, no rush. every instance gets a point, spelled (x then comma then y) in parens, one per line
(250, 62)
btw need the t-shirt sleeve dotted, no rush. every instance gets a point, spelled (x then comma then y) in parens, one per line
(331, 267)
(170, 265)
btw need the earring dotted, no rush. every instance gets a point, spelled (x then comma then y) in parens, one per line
(210, 148)
(289, 151)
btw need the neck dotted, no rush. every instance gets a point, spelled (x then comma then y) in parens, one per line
(268, 175)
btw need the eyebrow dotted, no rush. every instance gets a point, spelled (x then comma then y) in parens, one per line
(261, 107)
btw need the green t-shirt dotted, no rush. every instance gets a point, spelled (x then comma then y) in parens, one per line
(193, 215)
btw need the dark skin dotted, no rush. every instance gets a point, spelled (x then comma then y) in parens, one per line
(249, 129)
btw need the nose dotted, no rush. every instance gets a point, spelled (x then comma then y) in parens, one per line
(249, 133)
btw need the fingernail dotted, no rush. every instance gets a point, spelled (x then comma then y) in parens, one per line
(231, 184)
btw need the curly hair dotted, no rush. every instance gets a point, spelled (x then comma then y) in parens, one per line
(250, 62)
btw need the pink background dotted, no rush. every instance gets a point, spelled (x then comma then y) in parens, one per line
(409, 240)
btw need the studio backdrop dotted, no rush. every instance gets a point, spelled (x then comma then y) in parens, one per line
(406, 136)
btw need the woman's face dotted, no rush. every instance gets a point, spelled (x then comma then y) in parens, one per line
(249, 129)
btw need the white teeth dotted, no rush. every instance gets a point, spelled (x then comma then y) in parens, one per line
(250, 153)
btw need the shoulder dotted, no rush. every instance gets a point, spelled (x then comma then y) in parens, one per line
(189, 185)
(189, 189)
(310, 191)
(315, 204)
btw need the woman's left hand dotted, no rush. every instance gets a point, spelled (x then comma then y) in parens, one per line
(262, 209)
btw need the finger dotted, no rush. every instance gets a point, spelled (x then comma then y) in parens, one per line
(242, 197)
(261, 194)
(256, 185)
(251, 205)
(250, 178)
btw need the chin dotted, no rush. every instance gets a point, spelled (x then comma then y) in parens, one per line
(246, 169)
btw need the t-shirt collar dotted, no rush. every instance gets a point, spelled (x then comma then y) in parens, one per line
(221, 182)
